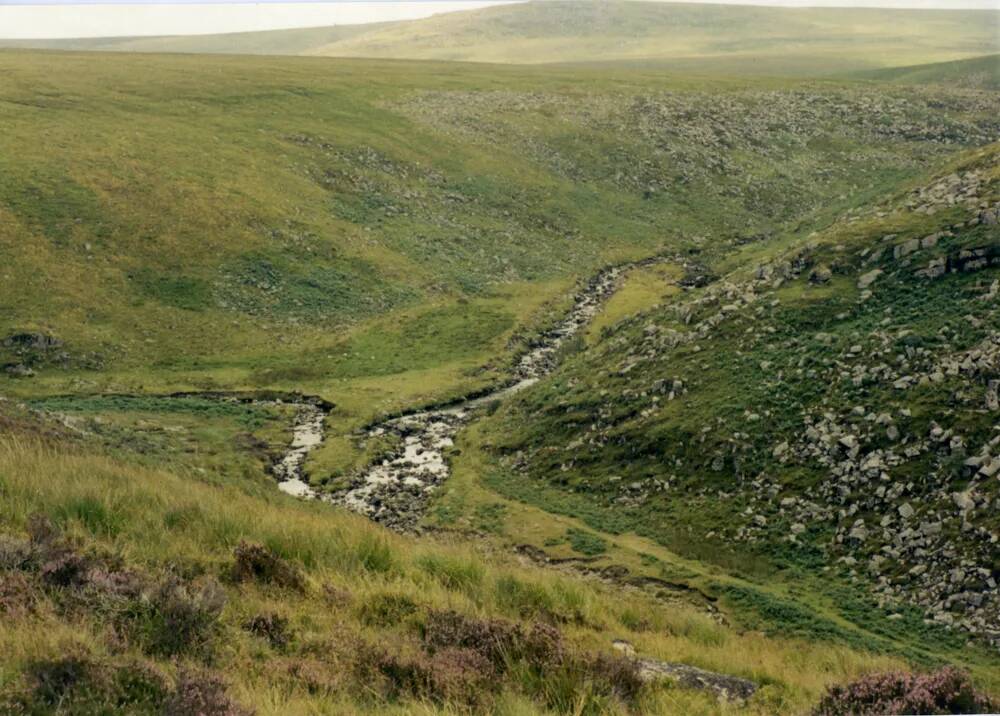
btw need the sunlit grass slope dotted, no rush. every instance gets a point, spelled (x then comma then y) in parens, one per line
(334, 590)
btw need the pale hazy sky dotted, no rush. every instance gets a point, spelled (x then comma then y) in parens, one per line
(29, 19)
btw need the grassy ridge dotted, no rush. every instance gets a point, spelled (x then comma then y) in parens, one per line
(733, 39)
(982, 72)
(600, 31)
(271, 42)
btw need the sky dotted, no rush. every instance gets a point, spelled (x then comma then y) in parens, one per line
(31, 19)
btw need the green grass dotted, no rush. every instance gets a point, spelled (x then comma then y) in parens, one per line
(643, 289)
(381, 233)
(586, 543)
(264, 208)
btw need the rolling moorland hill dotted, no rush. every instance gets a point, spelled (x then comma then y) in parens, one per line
(691, 37)
(981, 72)
(781, 411)
(271, 42)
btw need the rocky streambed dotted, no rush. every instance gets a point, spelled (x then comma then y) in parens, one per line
(396, 490)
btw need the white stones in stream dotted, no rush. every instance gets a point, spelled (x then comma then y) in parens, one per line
(307, 435)
(396, 490)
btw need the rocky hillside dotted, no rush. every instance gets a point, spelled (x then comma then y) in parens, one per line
(829, 409)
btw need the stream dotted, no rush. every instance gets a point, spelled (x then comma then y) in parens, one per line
(396, 490)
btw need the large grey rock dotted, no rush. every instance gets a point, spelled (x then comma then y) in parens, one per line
(31, 340)
(725, 687)
(906, 248)
(867, 279)
(820, 274)
(963, 500)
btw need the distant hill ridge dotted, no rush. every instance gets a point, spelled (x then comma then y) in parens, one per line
(709, 37)
(978, 73)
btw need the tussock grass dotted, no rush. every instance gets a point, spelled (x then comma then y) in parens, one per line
(380, 585)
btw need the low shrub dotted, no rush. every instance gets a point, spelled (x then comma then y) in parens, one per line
(77, 684)
(65, 569)
(18, 594)
(104, 582)
(41, 531)
(313, 675)
(139, 686)
(586, 543)
(494, 639)
(203, 694)
(271, 627)
(385, 610)
(255, 562)
(946, 691)
(56, 681)
(15, 554)
(336, 596)
(499, 642)
(457, 676)
(177, 617)
(614, 675)
(460, 676)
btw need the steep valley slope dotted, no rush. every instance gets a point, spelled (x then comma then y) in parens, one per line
(823, 414)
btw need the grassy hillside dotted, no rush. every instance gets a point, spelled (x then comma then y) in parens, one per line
(383, 235)
(379, 233)
(127, 588)
(705, 38)
(236, 223)
(271, 42)
(595, 31)
(978, 72)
